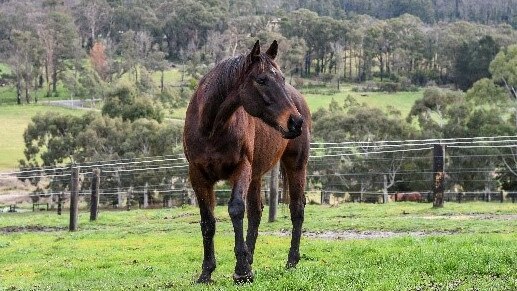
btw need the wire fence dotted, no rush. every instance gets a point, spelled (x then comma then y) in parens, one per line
(479, 168)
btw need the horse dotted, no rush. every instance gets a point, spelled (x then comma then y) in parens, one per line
(242, 119)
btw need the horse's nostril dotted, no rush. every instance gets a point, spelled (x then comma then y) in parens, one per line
(294, 123)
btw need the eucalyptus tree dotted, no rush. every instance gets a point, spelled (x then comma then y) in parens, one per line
(60, 39)
(364, 165)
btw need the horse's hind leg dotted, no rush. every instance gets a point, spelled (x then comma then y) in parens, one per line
(254, 210)
(296, 179)
(206, 200)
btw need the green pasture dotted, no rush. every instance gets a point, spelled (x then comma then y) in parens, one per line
(14, 119)
(402, 101)
(460, 247)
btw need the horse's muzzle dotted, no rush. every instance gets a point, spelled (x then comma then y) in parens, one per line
(294, 127)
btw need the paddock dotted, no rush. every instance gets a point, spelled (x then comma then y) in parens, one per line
(353, 246)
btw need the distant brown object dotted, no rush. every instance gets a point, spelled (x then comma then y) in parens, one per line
(412, 196)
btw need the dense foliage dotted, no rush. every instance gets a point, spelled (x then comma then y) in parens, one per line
(113, 51)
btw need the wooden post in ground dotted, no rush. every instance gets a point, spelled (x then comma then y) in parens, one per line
(273, 192)
(385, 190)
(438, 175)
(94, 201)
(59, 203)
(129, 197)
(74, 198)
(146, 195)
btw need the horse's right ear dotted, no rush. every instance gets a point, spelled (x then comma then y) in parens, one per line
(254, 55)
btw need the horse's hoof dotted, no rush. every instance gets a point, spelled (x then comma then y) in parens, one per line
(243, 279)
(291, 265)
(292, 260)
(204, 280)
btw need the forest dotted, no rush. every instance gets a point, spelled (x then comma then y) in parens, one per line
(459, 55)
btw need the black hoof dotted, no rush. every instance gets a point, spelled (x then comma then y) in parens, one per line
(291, 265)
(292, 260)
(243, 279)
(204, 280)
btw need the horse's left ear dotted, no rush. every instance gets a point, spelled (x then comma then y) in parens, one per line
(272, 50)
(254, 55)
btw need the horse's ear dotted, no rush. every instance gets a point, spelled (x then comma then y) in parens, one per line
(272, 50)
(254, 55)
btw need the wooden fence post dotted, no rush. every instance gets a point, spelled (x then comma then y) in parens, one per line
(74, 198)
(438, 175)
(129, 197)
(94, 201)
(146, 195)
(59, 203)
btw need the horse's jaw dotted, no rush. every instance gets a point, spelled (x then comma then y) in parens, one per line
(287, 134)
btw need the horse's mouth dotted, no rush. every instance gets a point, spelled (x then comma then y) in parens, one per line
(289, 134)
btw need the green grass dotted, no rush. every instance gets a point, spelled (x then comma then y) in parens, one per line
(402, 101)
(14, 120)
(162, 249)
(4, 69)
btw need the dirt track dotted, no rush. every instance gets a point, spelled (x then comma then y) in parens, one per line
(355, 234)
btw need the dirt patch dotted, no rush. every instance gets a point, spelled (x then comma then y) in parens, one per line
(470, 216)
(354, 234)
(30, 228)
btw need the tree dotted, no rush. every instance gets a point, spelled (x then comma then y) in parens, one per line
(61, 44)
(129, 103)
(98, 59)
(24, 60)
(365, 168)
(432, 110)
(187, 25)
(503, 70)
(92, 17)
(473, 61)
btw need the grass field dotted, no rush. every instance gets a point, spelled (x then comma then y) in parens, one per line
(402, 101)
(460, 247)
(14, 120)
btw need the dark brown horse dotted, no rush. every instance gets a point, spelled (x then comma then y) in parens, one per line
(241, 121)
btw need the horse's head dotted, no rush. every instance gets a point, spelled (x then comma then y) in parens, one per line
(263, 93)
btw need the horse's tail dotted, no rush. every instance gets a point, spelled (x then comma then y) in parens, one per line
(285, 184)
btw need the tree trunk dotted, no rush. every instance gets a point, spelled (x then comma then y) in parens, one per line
(27, 92)
(161, 81)
(439, 175)
(385, 189)
(54, 79)
(47, 78)
(273, 192)
(19, 92)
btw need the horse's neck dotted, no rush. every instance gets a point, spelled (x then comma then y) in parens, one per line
(217, 112)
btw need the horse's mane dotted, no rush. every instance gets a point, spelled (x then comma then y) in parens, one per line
(221, 81)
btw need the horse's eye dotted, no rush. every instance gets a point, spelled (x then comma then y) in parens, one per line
(261, 81)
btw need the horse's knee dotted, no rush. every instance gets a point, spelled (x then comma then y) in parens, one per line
(297, 209)
(236, 209)
(208, 227)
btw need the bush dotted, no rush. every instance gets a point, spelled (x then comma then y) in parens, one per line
(389, 87)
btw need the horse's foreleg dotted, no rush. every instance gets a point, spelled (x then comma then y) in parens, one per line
(254, 210)
(206, 200)
(296, 206)
(236, 209)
